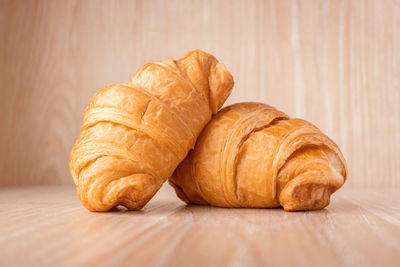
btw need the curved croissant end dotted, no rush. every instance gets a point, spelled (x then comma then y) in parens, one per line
(204, 69)
(252, 155)
(135, 134)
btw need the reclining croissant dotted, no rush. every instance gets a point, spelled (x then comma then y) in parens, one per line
(134, 135)
(252, 155)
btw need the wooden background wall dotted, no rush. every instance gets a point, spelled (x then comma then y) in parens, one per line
(335, 63)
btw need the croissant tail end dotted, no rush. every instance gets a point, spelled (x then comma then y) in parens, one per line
(184, 185)
(305, 195)
(179, 192)
(134, 200)
(132, 192)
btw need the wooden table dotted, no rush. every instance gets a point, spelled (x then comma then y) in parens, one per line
(47, 226)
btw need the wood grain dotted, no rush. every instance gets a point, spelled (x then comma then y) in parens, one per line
(47, 226)
(334, 63)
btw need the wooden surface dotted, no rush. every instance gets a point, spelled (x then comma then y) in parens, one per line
(47, 226)
(334, 63)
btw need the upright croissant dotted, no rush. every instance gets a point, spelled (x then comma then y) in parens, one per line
(252, 155)
(135, 134)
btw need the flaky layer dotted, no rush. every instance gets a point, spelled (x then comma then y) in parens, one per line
(252, 155)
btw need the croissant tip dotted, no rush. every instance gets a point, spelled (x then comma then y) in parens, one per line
(179, 192)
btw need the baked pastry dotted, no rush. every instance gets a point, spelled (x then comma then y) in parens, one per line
(252, 155)
(135, 134)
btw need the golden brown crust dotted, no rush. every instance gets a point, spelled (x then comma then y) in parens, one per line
(252, 155)
(135, 134)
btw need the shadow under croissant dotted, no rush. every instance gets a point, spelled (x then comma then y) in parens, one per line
(308, 194)
(202, 208)
(254, 218)
(254, 215)
(348, 208)
(164, 206)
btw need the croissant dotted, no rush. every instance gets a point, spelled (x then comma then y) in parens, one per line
(135, 134)
(252, 155)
